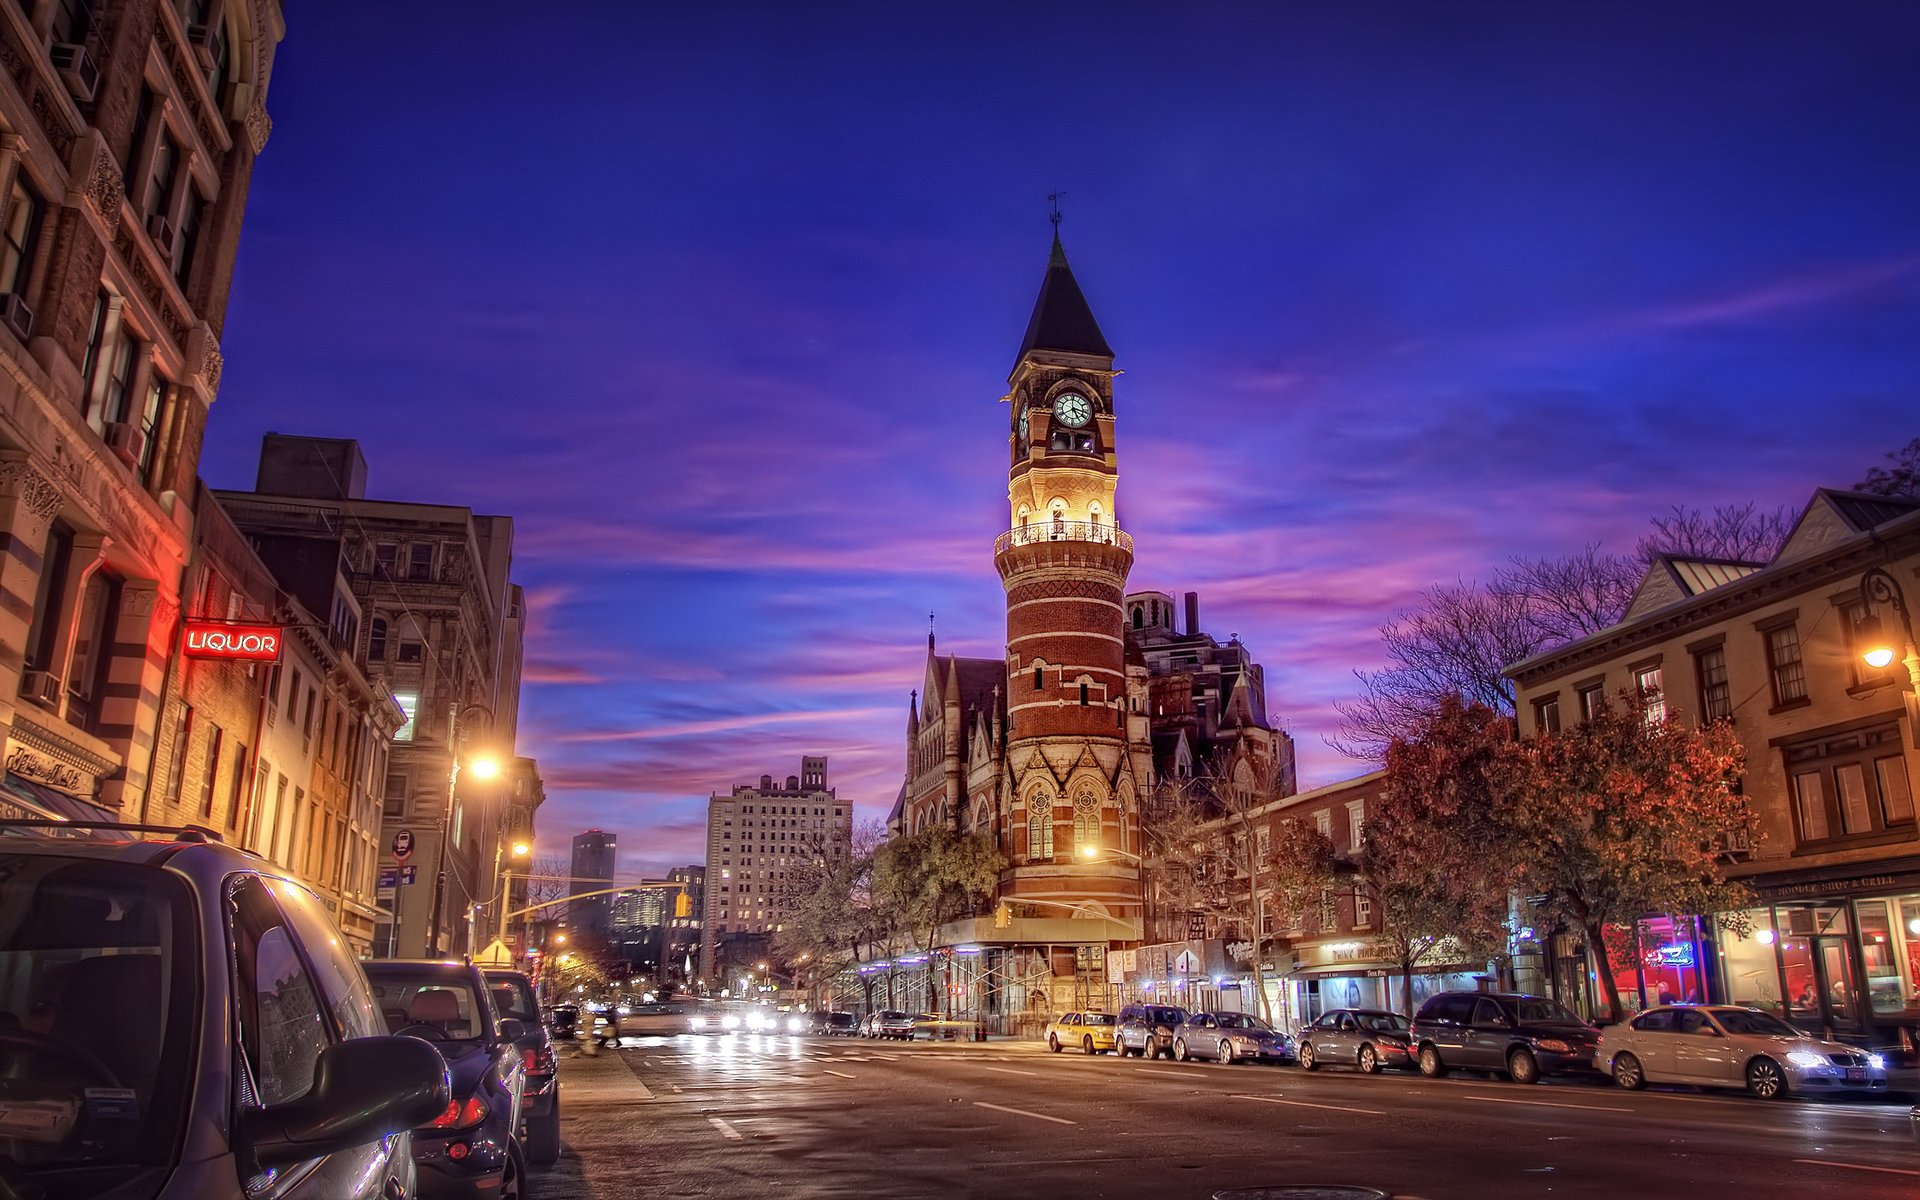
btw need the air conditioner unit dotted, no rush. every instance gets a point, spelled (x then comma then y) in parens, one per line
(76, 69)
(206, 41)
(127, 442)
(41, 687)
(162, 232)
(16, 314)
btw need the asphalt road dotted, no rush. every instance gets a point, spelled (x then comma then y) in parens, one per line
(744, 1115)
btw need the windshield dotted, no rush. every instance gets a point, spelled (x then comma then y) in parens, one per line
(1242, 1021)
(1747, 1020)
(1097, 1019)
(1538, 1012)
(512, 997)
(98, 981)
(427, 1003)
(1166, 1016)
(1384, 1022)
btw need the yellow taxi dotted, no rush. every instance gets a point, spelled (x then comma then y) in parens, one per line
(1091, 1031)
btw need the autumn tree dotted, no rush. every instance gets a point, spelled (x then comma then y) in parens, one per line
(830, 921)
(1624, 814)
(1433, 861)
(1901, 475)
(924, 880)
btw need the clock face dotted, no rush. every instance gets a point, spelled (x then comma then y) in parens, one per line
(1072, 410)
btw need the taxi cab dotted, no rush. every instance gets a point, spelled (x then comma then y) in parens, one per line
(1091, 1031)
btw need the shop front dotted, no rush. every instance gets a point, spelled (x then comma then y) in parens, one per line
(1333, 975)
(1835, 951)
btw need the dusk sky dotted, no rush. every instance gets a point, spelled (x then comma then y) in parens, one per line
(716, 301)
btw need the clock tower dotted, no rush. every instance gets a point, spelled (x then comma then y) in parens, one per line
(1076, 756)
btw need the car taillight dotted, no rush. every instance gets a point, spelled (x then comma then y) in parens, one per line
(1553, 1046)
(460, 1114)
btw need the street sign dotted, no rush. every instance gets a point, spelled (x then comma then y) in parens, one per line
(389, 878)
(407, 875)
(403, 845)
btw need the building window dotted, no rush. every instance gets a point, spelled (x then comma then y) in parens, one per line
(377, 640)
(72, 20)
(182, 743)
(1040, 825)
(1323, 821)
(92, 650)
(95, 347)
(210, 777)
(1852, 784)
(186, 239)
(44, 632)
(420, 561)
(239, 790)
(1784, 665)
(1362, 909)
(1039, 679)
(20, 235)
(1716, 699)
(1262, 842)
(410, 651)
(385, 555)
(1086, 822)
(409, 703)
(160, 178)
(1648, 682)
(1546, 714)
(1356, 825)
(1083, 695)
(1591, 698)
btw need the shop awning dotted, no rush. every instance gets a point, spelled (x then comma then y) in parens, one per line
(21, 797)
(1378, 970)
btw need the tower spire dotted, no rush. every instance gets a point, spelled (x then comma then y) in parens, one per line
(1062, 319)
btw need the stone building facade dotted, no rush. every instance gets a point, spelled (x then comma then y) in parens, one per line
(755, 836)
(128, 133)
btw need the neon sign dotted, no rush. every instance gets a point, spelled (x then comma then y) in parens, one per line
(1675, 954)
(243, 643)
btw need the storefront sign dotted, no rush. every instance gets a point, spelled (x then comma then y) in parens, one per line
(1839, 882)
(1674, 954)
(243, 643)
(41, 769)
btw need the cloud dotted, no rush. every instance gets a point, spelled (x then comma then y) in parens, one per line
(718, 725)
(548, 671)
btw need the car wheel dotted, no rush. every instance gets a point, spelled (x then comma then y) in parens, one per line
(1226, 1052)
(513, 1180)
(1430, 1064)
(1053, 1043)
(1765, 1079)
(1180, 1050)
(1627, 1072)
(1086, 1045)
(543, 1135)
(1522, 1067)
(1307, 1061)
(1369, 1060)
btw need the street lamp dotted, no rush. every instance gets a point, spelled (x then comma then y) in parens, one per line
(1097, 852)
(484, 767)
(1880, 645)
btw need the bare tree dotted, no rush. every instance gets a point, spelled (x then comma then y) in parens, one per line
(1900, 477)
(1742, 532)
(1565, 599)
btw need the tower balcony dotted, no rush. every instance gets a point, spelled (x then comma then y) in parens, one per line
(1061, 543)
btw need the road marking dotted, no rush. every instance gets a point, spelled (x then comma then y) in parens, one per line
(841, 1074)
(726, 1131)
(676, 1087)
(888, 1057)
(1021, 1112)
(1011, 1071)
(1545, 1103)
(1371, 1112)
(1828, 1162)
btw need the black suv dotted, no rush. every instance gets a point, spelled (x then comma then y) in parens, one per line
(471, 1150)
(540, 1095)
(179, 1019)
(1147, 1029)
(1524, 1036)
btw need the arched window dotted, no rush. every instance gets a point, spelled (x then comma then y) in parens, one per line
(1086, 820)
(377, 640)
(1040, 825)
(1139, 616)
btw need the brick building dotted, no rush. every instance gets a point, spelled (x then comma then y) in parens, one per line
(128, 134)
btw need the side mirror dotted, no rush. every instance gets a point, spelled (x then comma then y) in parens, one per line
(512, 1029)
(363, 1090)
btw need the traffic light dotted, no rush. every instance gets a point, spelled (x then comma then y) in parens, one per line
(683, 904)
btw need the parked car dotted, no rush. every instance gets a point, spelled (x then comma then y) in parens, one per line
(472, 1149)
(1724, 1045)
(564, 1020)
(1524, 1036)
(840, 1024)
(540, 1094)
(892, 1023)
(1091, 1031)
(1230, 1037)
(1366, 1038)
(1146, 1030)
(181, 1016)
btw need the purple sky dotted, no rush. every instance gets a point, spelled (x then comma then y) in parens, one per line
(717, 303)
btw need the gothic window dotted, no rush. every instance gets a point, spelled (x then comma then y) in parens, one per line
(1040, 825)
(1086, 821)
(1138, 616)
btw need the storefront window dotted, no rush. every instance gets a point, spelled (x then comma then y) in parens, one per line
(1656, 962)
(1753, 973)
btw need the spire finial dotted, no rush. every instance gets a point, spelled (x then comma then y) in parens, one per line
(1053, 201)
(929, 632)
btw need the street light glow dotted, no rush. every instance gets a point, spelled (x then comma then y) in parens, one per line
(522, 849)
(484, 767)
(1879, 657)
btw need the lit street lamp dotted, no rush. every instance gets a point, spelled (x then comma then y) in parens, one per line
(1097, 852)
(1880, 645)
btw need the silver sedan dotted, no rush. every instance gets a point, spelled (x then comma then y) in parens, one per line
(1367, 1038)
(1721, 1045)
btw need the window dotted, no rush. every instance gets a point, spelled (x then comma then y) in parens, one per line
(96, 346)
(19, 236)
(72, 20)
(1647, 681)
(1039, 679)
(1851, 784)
(182, 743)
(385, 554)
(1040, 825)
(1591, 698)
(282, 1031)
(394, 799)
(1362, 909)
(1896, 793)
(1546, 714)
(420, 561)
(1083, 695)
(409, 703)
(161, 173)
(1263, 841)
(186, 239)
(1356, 825)
(377, 640)
(1784, 665)
(92, 650)
(120, 357)
(1716, 699)
(410, 651)
(1086, 821)
(1323, 821)
(42, 635)
(210, 778)
(239, 788)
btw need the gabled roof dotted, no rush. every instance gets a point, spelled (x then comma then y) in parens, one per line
(1834, 515)
(1062, 319)
(976, 678)
(1670, 579)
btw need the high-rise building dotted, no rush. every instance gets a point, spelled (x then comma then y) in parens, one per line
(755, 837)
(439, 633)
(127, 151)
(594, 853)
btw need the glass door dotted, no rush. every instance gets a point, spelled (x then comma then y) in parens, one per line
(1841, 989)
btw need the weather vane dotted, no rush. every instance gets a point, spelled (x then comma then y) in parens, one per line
(1053, 199)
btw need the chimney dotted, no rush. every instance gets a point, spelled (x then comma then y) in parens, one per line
(1193, 614)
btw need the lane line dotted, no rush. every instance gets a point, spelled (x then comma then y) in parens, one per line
(1011, 1071)
(1829, 1162)
(1021, 1112)
(1371, 1112)
(888, 1057)
(726, 1131)
(1546, 1103)
(841, 1074)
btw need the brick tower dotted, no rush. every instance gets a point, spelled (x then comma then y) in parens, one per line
(1075, 753)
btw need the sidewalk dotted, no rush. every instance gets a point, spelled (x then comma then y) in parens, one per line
(602, 1078)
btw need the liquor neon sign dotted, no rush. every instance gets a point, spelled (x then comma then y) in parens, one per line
(243, 643)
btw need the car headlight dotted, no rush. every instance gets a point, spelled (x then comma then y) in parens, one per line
(796, 1025)
(1877, 1061)
(696, 1022)
(1553, 1046)
(729, 1022)
(1806, 1058)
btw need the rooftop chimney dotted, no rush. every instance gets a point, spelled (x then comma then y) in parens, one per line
(1193, 614)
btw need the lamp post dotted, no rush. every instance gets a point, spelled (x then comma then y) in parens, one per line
(484, 768)
(1879, 645)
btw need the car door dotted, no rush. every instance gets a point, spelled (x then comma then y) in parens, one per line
(1201, 1031)
(1447, 1029)
(1324, 1034)
(1650, 1038)
(1702, 1051)
(1487, 1035)
(289, 1010)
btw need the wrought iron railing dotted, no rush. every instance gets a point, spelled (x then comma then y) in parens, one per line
(1064, 531)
